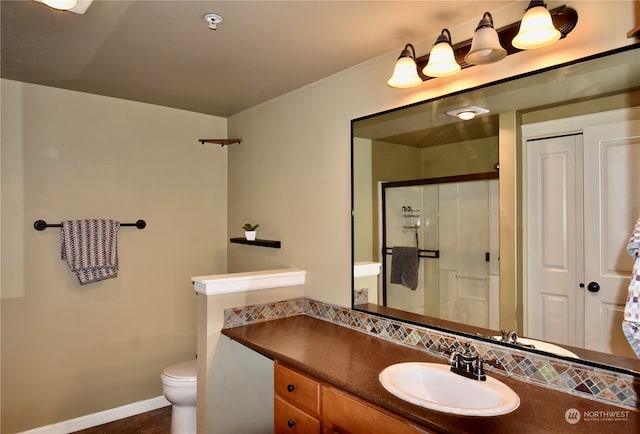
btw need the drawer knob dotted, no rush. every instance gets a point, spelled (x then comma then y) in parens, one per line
(291, 423)
(291, 387)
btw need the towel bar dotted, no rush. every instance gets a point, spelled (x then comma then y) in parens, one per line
(41, 225)
(421, 253)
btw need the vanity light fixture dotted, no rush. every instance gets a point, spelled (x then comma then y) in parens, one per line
(479, 51)
(442, 62)
(536, 28)
(485, 47)
(405, 73)
(63, 5)
(75, 6)
(468, 112)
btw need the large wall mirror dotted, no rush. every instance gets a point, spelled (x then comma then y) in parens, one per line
(574, 135)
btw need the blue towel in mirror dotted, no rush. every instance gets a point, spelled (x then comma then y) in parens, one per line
(404, 266)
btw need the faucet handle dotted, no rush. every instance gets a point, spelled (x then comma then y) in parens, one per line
(479, 372)
(453, 354)
(448, 350)
(467, 349)
(493, 362)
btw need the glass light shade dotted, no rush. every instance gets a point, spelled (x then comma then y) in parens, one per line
(64, 5)
(405, 73)
(536, 30)
(466, 115)
(485, 47)
(442, 62)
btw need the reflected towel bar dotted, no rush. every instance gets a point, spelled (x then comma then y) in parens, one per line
(421, 253)
(41, 225)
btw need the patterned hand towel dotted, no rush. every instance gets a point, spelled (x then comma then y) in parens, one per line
(90, 249)
(404, 266)
(631, 323)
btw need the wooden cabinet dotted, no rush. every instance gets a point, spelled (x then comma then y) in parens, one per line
(303, 404)
(296, 402)
(345, 413)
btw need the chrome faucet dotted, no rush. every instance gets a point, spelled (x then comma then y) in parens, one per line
(512, 337)
(467, 364)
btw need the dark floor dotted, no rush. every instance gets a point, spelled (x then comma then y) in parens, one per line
(153, 422)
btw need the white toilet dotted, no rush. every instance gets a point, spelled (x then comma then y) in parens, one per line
(179, 384)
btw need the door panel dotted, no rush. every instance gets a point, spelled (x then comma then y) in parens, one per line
(555, 310)
(464, 243)
(553, 208)
(612, 205)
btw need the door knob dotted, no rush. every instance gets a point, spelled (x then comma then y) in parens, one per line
(593, 287)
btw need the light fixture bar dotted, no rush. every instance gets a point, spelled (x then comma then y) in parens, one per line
(564, 19)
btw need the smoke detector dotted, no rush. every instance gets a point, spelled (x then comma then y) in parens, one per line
(213, 20)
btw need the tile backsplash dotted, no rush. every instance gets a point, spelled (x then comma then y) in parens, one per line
(592, 383)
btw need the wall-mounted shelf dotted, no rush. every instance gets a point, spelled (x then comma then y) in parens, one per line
(220, 142)
(258, 242)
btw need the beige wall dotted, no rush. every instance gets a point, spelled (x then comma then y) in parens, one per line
(71, 350)
(471, 156)
(292, 174)
(363, 203)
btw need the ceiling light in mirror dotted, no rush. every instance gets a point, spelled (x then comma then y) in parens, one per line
(405, 73)
(468, 112)
(442, 61)
(485, 47)
(536, 28)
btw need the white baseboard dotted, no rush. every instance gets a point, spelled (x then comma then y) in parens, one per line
(99, 418)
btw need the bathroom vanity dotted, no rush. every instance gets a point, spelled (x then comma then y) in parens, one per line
(334, 373)
(303, 404)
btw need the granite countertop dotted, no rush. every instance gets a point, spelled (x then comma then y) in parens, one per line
(352, 360)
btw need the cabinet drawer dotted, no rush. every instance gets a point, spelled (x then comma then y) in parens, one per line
(297, 389)
(344, 413)
(289, 419)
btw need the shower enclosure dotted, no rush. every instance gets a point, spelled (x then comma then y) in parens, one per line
(452, 223)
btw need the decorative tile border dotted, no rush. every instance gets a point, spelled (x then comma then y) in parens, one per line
(243, 315)
(361, 296)
(592, 383)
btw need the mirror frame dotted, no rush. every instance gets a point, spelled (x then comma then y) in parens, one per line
(625, 365)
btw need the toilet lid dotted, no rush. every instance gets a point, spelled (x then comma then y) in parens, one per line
(183, 370)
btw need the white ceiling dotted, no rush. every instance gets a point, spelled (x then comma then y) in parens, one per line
(162, 52)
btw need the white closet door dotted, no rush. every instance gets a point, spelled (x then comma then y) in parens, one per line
(612, 205)
(552, 234)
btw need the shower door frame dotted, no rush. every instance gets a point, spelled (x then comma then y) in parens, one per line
(412, 183)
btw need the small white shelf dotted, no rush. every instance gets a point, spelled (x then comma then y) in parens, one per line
(218, 284)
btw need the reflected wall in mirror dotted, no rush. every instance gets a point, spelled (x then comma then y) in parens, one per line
(421, 141)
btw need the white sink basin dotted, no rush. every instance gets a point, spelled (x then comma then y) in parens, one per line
(544, 346)
(434, 386)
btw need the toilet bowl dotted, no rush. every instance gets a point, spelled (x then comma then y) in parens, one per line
(179, 384)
